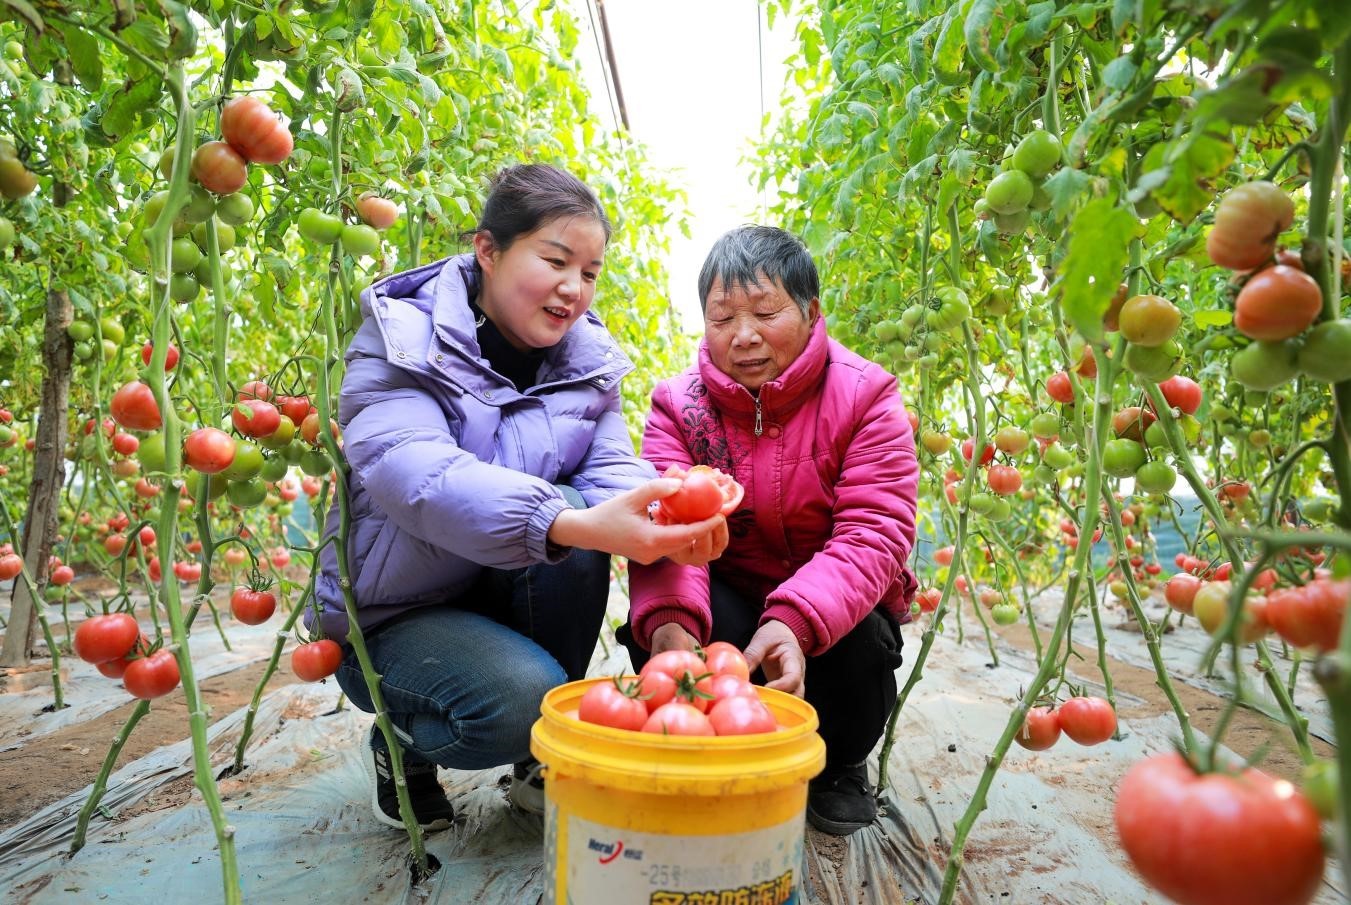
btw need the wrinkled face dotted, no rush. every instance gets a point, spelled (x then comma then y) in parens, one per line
(536, 289)
(755, 332)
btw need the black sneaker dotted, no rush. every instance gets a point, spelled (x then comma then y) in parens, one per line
(840, 801)
(430, 805)
(527, 787)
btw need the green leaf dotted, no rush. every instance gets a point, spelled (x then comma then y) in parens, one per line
(84, 58)
(1213, 317)
(949, 50)
(976, 30)
(27, 13)
(128, 103)
(1119, 73)
(1202, 156)
(1065, 188)
(1099, 248)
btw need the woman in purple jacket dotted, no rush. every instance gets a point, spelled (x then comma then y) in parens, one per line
(491, 477)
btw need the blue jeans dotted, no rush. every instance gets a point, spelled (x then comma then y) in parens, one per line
(463, 681)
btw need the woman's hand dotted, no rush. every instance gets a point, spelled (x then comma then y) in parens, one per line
(774, 648)
(621, 525)
(672, 636)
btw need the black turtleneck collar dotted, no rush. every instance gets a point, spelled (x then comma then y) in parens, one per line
(521, 368)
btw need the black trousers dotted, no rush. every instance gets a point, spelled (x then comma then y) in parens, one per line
(852, 685)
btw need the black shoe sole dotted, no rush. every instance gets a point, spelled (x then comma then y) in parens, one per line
(835, 827)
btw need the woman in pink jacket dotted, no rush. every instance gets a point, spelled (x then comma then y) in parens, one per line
(813, 584)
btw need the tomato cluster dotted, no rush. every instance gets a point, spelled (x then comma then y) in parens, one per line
(1086, 720)
(114, 644)
(679, 692)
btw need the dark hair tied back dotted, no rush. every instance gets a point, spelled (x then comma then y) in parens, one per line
(523, 198)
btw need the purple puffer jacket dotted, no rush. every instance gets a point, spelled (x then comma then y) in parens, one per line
(452, 469)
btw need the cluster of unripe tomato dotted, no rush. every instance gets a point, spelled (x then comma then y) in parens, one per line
(681, 692)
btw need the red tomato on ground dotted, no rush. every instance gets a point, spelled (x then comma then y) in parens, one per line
(151, 677)
(1087, 721)
(316, 660)
(1216, 839)
(611, 704)
(102, 638)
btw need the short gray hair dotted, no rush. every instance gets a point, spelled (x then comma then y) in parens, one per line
(741, 257)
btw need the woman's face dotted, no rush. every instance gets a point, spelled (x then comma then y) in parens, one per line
(536, 289)
(755, 332)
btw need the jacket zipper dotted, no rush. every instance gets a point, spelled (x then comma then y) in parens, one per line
(759, 424)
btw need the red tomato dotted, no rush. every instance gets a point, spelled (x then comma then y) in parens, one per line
(61, 576)
(728, 685)
(1217, 839)
(1059, 388)
(309, 429)
(234, 556)
(929, 598)
(377, 212)
(1180, 591)
(1004, 480)
(125, 444)
(1088, 721)
(170, 357)
(986, 456)
(609, 704)
(311, 485)
(252, 606)
(741, 716)
(152, 676)
(113, 669)
(943, 555)
(1277, 303)
(219, 168)
(294, 407)
(1310, 616)
(255, 418)
(252, 129)
(254, 389)
(316, 660)
(1182, 393)
(187, 571)
(208, 450)
(102, 638)
(675, 663)
(656, 688)
(678, 718)
(723, 658)
(10, 566)
(1040, 730)
(697, 499)
(280, 557)
(134, 407)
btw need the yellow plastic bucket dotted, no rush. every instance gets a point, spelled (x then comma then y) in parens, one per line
(634, 818)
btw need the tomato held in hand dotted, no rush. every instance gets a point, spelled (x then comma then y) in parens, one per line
(704, 493)
(316, 660)
(152, 676)
(1087, 721)
(102, 638)
(1040, 730)
(613, 704)
(1217, 839)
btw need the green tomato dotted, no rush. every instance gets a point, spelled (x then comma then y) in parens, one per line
(1122, 458)
(83, 351)
(293, 452)
(13, 50)
(1155, 477)
(1260, 438)
(234, 209)
(184, 255)
(248, 461)
(151, 452)
(1012, 224)
(184, 287)
(1221, 412)
(1319, 509)
(1009, 192)
(1045, 425)
(274, 468)
(1057, 456)
(281, 437)
(80, 331)
(1326, 354)
(200, 206)
(1038, 153)
(225, 236)
(153, 207)
(1322, 786)
(203, 272)
(1001, 510)
(109, 351)
(1154, 363)
(315, 462)
(1043, 475)
(1004, 613)
(205, 486)
(1265, 365)
(360, 240)
(319, 227)
(981, 503)
(6, 233)
(112, 329)
(246, 494)
(1155, 436)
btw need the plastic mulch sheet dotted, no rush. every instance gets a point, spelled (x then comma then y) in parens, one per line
(304, 832)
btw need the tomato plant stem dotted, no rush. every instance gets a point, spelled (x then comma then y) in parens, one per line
(101, 781)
